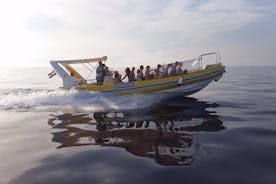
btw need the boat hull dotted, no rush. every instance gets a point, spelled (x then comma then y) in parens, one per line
(187, 84)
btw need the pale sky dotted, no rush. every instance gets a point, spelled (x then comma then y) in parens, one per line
(133, 32)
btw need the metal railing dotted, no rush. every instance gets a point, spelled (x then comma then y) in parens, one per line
(198, 63)
(217, 55)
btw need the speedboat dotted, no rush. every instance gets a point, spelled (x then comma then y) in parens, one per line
(196, 75)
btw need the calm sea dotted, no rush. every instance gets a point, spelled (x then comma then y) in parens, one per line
(224, 134)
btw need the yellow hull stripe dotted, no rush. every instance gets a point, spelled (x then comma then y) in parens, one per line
(97, 87)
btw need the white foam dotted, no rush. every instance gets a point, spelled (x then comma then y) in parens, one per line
(56, 99)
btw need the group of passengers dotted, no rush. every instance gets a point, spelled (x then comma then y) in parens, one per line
(102, 72)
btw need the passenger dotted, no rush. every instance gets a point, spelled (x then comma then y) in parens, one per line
(139, 75)
(158, 72)
(133, 73)
(100, 74)
(142, 72)
(148, 74)
(179, 69)
(129, 75)
(117, 77)
(174, 69)
(166, 69)
(107, 71)
(108, 77)
(104, 70)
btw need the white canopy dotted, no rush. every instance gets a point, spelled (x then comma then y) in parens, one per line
(78, 61)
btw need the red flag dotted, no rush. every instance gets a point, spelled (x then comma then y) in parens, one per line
(52, 74)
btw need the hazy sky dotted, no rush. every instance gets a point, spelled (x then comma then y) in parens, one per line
(132, 32)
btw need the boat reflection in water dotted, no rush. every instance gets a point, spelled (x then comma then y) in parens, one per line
(166, 133)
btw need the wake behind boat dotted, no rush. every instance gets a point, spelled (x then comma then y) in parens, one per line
(190, 76)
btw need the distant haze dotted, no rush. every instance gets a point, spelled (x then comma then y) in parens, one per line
(133, 32)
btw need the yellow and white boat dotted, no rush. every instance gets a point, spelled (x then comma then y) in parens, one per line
(195, 79)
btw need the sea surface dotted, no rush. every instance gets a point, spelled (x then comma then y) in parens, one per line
(225, 133)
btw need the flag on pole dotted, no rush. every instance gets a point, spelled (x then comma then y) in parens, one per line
(52, 74)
